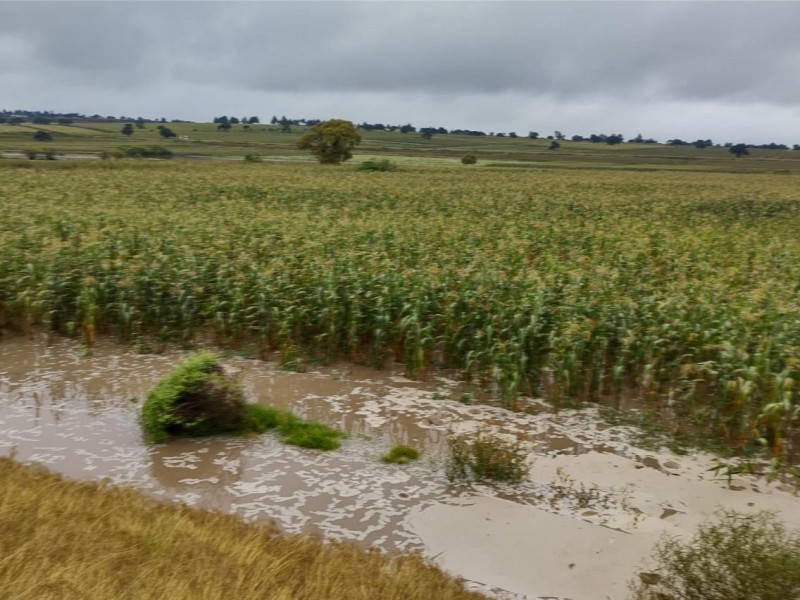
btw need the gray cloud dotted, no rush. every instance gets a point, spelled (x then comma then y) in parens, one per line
(577, 61)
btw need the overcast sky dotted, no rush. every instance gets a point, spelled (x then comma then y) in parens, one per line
(729, 71)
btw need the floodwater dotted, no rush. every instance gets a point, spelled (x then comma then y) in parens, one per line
(590, 511)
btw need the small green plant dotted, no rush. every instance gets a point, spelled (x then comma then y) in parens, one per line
(374, 164)
(486, 458)
(469, 159)
(733, 557)
(400, 455)
(253, 158)
(31, 153)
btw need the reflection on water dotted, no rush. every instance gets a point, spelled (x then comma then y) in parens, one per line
(77, 414)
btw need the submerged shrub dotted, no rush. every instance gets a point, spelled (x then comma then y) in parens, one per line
(400, 455)
(195, 399)
(198, 399)
(486, 458)
(734, 557)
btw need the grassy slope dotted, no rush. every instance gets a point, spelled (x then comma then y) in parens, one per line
(65, 540)
(204, 140)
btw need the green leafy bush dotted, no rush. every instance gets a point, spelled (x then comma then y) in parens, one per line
(469, 159)
(400, 455)
(253, 158)
(734, 557)
(197, 399)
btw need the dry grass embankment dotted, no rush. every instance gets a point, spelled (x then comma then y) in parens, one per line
(63, 540)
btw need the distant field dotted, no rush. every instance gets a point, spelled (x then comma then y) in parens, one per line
(205, 140)
(679, 288)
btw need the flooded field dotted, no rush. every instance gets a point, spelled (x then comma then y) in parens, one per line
(590, 511)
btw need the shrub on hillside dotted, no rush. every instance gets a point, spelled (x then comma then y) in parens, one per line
(377, 165)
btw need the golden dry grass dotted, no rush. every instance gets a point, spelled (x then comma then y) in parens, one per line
(62, 540)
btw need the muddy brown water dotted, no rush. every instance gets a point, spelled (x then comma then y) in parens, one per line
(77, 414)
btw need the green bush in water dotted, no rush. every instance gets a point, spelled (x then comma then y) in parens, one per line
(198, 399)
(195, 399)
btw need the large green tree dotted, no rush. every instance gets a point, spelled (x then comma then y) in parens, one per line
(331, 141)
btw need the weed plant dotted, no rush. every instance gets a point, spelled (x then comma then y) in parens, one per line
(486, 458)
(733, 557)
(400, 455)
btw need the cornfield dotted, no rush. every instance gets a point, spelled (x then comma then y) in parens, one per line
(683, 289)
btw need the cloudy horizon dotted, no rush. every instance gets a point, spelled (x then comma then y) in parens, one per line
(729, 71)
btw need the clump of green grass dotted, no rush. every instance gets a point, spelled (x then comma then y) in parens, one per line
(486, 458)
(65, 540)
(734, 557)
(400, 455)
(197, 399)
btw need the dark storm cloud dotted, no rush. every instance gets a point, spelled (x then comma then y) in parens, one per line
(745, 51)
(617, 57)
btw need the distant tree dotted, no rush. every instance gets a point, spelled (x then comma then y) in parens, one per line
(500, 134)
(127, 130)
(513, 134)
(253, 121)
(426, 135)
(224, 126)
(533, 135)
(64, 121)
(700, 144)
(554, 145)
(739, 150)
(42, 136)
(796, 147)
(677, 142)
(469, 159)
(166, 132)
(331, 141)
(578, 138)
(16, 121)
(558, 135)
(233, 121)
(274, 120)
(408, 128)
(614, 138)
(42, 120)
